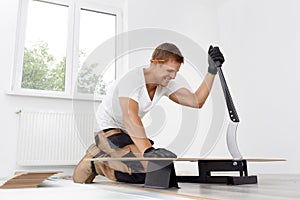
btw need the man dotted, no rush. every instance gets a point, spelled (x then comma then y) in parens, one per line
(120, 131)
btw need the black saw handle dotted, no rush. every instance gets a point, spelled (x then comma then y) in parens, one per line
(230, 106)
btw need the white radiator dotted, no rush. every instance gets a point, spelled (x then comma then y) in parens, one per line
(53, 138)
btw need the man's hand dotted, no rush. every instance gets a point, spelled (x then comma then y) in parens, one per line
(134, 165)
(159, 153)
(215, 59)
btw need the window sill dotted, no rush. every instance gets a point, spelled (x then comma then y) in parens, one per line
(55, 95)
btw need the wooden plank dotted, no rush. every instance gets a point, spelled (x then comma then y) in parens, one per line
(104, 159)
(27, 179)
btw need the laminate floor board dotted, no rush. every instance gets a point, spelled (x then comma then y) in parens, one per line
(269, 187)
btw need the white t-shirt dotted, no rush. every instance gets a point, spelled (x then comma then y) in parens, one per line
(132, 85)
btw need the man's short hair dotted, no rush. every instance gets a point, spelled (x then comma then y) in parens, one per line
(166, 52)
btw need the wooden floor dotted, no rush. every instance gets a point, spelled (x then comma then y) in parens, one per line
(269, 187)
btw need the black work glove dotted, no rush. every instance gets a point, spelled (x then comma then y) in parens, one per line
(159, 153)
(135, 165)
(215, 59)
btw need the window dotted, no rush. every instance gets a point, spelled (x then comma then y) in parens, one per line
(44, 60)
(95, 28)
(55, 37)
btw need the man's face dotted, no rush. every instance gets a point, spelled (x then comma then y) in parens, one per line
(167, 71)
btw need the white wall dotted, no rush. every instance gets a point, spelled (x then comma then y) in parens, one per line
(194, 19)
(261, 44)
(259, 40)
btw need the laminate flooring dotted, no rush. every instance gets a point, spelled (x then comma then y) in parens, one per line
(270, 186)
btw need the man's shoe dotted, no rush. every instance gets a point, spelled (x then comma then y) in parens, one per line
(84, 172)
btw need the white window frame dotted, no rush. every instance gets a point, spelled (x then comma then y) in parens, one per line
(72, 47)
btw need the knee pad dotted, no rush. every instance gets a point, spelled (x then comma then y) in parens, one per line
(130, 178)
